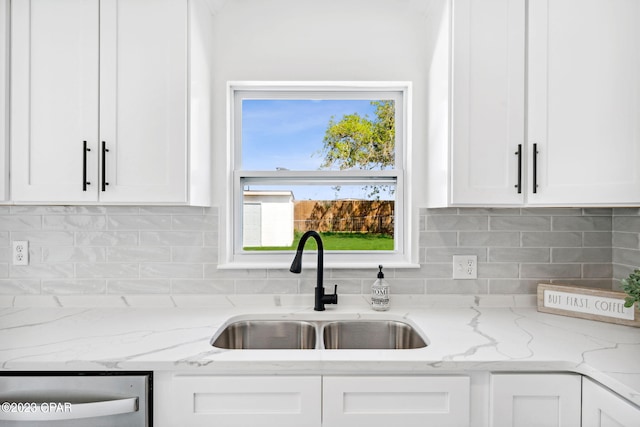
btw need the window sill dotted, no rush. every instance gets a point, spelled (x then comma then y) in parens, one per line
(312, 265)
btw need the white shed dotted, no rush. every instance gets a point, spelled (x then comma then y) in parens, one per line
(267, 218)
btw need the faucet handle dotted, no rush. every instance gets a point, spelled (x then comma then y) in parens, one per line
(326, 298)
(333, 298)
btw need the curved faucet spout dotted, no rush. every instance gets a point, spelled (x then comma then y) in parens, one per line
(296, 267)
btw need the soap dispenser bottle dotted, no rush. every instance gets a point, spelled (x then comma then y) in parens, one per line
(380, 293)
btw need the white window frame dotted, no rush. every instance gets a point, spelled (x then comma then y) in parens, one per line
(233, 255)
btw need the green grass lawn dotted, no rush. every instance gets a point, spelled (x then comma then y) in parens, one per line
(338, 242)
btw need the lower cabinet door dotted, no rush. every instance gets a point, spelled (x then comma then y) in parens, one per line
(535, 400)
(241, 401)
(603, 408)
(395, 401)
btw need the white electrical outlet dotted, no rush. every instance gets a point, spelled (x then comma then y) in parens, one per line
(465, 267)
(20, 252)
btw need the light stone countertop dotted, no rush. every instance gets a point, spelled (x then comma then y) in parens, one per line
(173, 333)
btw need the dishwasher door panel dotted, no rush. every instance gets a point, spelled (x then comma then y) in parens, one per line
(75, 399)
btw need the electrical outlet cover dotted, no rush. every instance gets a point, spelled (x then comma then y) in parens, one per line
(20, 252)
(465, 267)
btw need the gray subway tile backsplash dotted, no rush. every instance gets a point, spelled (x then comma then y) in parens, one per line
(74, 222)
(139, 222)
(627, 223)
(583, 255)
(96, 270)
(203, 286)
(17, 286)
(626, 240)
(625, 243)
(597, 271)
(550, 239)
(51, 255)
(521, 223)
(582, 223)
(525, 255)
(550, 271)
(73, 286)
(489, 238)
(171, 238)
(106, 238)
(132, 250)
(452, 286)
(138, 286)
(598, 239)
(457, 222)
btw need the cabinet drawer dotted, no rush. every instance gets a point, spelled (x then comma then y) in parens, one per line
(247, 401)
(406, 401)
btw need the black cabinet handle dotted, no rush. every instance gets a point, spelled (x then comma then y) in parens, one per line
(84, 166)
(104, 166)
(519, 154)
(535, 168)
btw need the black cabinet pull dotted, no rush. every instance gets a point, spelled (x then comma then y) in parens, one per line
(104, 166)
(519, 154)
(84, 166)
(535, 168)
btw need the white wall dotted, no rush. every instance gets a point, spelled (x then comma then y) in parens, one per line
(331, 40)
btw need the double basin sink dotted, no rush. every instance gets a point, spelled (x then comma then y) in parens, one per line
(302, 334)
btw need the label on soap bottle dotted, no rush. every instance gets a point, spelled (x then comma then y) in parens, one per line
(380, 297)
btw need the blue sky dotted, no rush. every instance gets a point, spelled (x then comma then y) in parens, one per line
(289, 133)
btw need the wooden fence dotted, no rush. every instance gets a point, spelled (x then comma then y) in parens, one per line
(356, 216)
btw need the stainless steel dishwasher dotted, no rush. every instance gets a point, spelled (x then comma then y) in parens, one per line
(73, 399)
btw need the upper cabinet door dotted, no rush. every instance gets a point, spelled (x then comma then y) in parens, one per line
(488, 102)
(143, 100)
(54, 100)
(4, 99)
(584, 101)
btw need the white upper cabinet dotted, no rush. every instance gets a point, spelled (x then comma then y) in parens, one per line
(54, 102)
(575, 119)
(488, 102)
(111, 75)
(4, 99)
(143, 99)
(584, 100)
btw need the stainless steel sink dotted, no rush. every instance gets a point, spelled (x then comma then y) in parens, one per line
(294, 334)
(371, 334)
(267, 334)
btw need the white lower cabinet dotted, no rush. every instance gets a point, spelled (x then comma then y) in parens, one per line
(603, 408)
(238, 401)
(404, 401)
(480, 399)
(535, 400)
(310, 401)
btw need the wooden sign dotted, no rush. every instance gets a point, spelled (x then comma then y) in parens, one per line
(587, 303)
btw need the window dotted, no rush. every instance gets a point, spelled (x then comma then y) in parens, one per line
(324, 157)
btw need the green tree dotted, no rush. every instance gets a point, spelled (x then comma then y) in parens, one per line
(357, 142)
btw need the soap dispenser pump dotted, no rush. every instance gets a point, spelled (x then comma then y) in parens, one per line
(380, 293)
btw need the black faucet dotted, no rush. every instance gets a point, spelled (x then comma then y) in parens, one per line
(296, 267)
